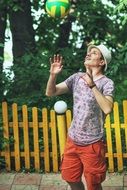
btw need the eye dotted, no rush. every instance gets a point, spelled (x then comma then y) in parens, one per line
(94, 52)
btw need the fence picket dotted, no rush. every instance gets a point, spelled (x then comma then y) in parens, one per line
(6, 135)
(109, 144)
(36, 138)
(125, 120)
(118, 137)
(54, 141)
(26, 137)
(46, 140)
(16, 136)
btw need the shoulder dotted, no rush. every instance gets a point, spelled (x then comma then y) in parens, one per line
(78, 74)
(108, 86)
(75, 75)
(106, 80)
(73, 80)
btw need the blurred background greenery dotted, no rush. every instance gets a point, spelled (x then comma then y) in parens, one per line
(36, 37)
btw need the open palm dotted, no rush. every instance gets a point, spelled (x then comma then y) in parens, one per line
(56, 64)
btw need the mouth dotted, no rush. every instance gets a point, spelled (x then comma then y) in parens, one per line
(87, 58)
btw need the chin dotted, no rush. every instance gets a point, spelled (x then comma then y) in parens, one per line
(86, 63)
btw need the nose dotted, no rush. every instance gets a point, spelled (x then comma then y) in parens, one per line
(88, 54)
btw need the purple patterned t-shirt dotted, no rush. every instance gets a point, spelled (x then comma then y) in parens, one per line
(87, 125)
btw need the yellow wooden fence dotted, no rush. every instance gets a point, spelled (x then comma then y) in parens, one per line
(52, 129)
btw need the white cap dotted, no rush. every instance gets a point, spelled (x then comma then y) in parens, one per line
(104, 51)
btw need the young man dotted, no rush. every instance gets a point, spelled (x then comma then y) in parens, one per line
(93, 100)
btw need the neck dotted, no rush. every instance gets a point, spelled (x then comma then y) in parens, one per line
(95, 73)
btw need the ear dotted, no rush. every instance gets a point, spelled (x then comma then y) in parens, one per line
(102, 62)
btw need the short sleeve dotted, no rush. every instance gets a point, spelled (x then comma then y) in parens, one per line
(70, 82)
(108, 88)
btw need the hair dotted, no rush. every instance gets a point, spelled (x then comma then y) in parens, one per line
(102, 58)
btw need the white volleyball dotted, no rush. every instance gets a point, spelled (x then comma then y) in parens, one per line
(60, 107)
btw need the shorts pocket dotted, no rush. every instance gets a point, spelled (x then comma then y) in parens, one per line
(99, 149)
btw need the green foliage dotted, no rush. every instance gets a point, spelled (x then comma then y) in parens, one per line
(4, 141)
(1, 45)
(90, 18)
(117, 71)
(122, 6)
(121, 9)
(32, 75)
(13, 4)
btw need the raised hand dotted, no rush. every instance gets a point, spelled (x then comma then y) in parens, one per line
(56, 64)
(88, 77)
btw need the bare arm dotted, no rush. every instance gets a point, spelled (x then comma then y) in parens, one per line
(53, 89)
(105, 102)
(56, 67)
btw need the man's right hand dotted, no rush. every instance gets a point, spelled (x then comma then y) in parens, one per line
(56, 64)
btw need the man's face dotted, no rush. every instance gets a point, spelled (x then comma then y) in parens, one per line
(94, 58)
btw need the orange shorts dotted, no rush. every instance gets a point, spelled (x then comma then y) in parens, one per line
(88, 160)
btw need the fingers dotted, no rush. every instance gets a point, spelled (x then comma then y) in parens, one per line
(89, 75)
(89, 70)
(57, 58)
(61, 59)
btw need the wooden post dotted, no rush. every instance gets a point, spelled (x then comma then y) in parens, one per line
(61, 132)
